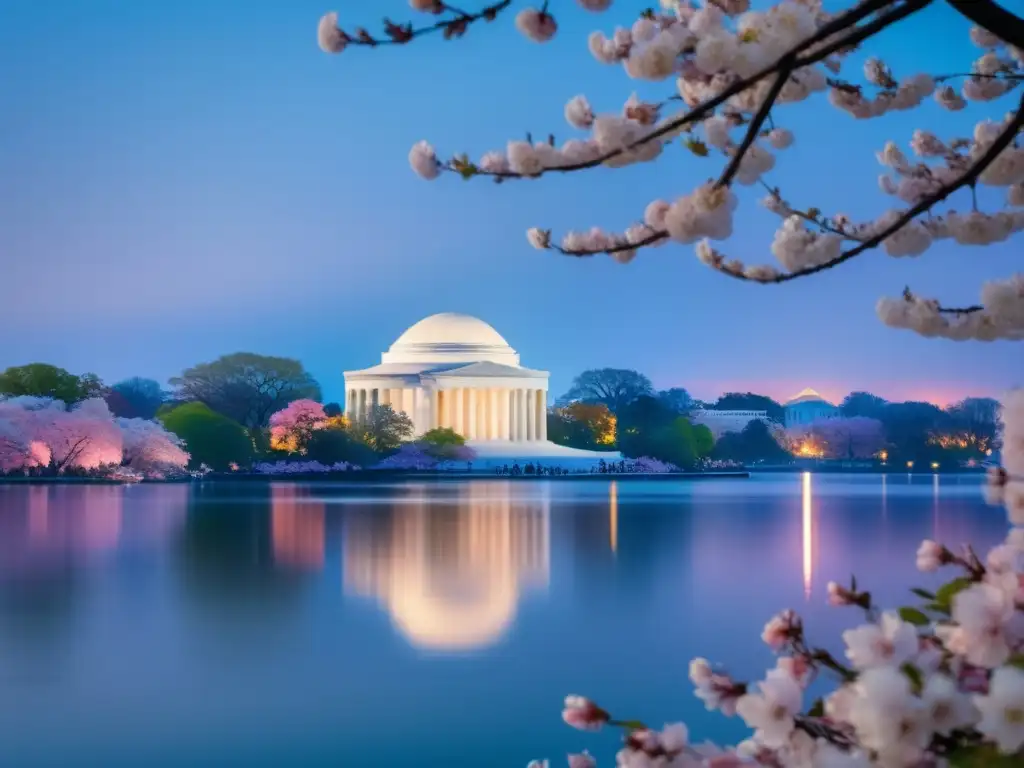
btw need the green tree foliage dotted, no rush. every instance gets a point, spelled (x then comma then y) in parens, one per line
(135, 398)
(565, 430)
(911, 430)
(582, 425)
(613, 387)
(246, 387)
(211, 438)
(863, 404)
(753, 443)
(383, 428)
(331, 445)
(333, 410)
(748, 401)
(677, 400)
(43, 380)
(644, 415)
(649, 427)
(443, 443)
(975, 420)
(703, 441)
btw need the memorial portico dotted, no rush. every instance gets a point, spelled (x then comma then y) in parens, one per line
(456, 371)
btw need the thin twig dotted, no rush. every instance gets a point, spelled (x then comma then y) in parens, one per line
(400, 34)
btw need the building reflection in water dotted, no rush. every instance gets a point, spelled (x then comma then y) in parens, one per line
(296, 527)
(451, 575)
(807, 499)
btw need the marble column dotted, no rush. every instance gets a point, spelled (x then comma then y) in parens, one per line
(493, 417)
(504, 407)
(531, 414)
(473, 426)
(457, 422)
(542, 415)
(445, 415)
(520, 414)
(350, 404)
(384, 397)
(434, 409)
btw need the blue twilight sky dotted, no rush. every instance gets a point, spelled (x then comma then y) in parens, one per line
(182, 180)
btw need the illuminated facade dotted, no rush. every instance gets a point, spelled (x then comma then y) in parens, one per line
(455, 371)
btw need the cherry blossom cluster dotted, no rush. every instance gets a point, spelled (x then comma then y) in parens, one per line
(292, 426)
(301, 467)
(999, 316)
(426, 456)
(940, 683)
(411, 456)
(44, 435)
(732, 67)
(648, 465)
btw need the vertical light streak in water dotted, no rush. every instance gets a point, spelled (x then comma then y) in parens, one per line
(935, 507)
(808, 533)
(613, 515)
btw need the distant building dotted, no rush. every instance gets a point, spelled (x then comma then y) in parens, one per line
(720, 421)
(806, 407)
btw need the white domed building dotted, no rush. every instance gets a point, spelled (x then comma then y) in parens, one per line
(456, 371)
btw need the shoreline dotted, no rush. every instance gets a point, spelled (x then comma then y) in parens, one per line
(372, 475)
(378, 475)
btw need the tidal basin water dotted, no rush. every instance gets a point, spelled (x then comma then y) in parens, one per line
(244, 624)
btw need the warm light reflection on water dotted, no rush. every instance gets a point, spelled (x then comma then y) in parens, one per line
(808, 533)
(297, 527)
(451, 579)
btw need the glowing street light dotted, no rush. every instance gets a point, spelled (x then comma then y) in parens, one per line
(935, 465)
(910, 465)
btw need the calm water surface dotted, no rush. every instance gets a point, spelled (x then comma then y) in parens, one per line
(439, 624)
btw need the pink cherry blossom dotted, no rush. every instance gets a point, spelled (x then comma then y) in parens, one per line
(583, 714)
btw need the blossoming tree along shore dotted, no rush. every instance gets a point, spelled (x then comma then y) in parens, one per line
(43, 435)
(735, 70)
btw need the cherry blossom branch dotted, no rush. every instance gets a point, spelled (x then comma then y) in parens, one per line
(333, 39)
(811, 215)
(755, 126)
(789, 62)
(1004, 139)
(986, 14)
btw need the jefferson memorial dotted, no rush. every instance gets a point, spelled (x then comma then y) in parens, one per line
(456, 371)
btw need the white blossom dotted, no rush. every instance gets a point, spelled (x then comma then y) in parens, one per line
(578, 112)
(1002, 710)
(537, 25)
(771, 712)
(424, 161)
(890, 642)
(329, 37)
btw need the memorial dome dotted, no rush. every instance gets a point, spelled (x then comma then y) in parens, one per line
(451, 337)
